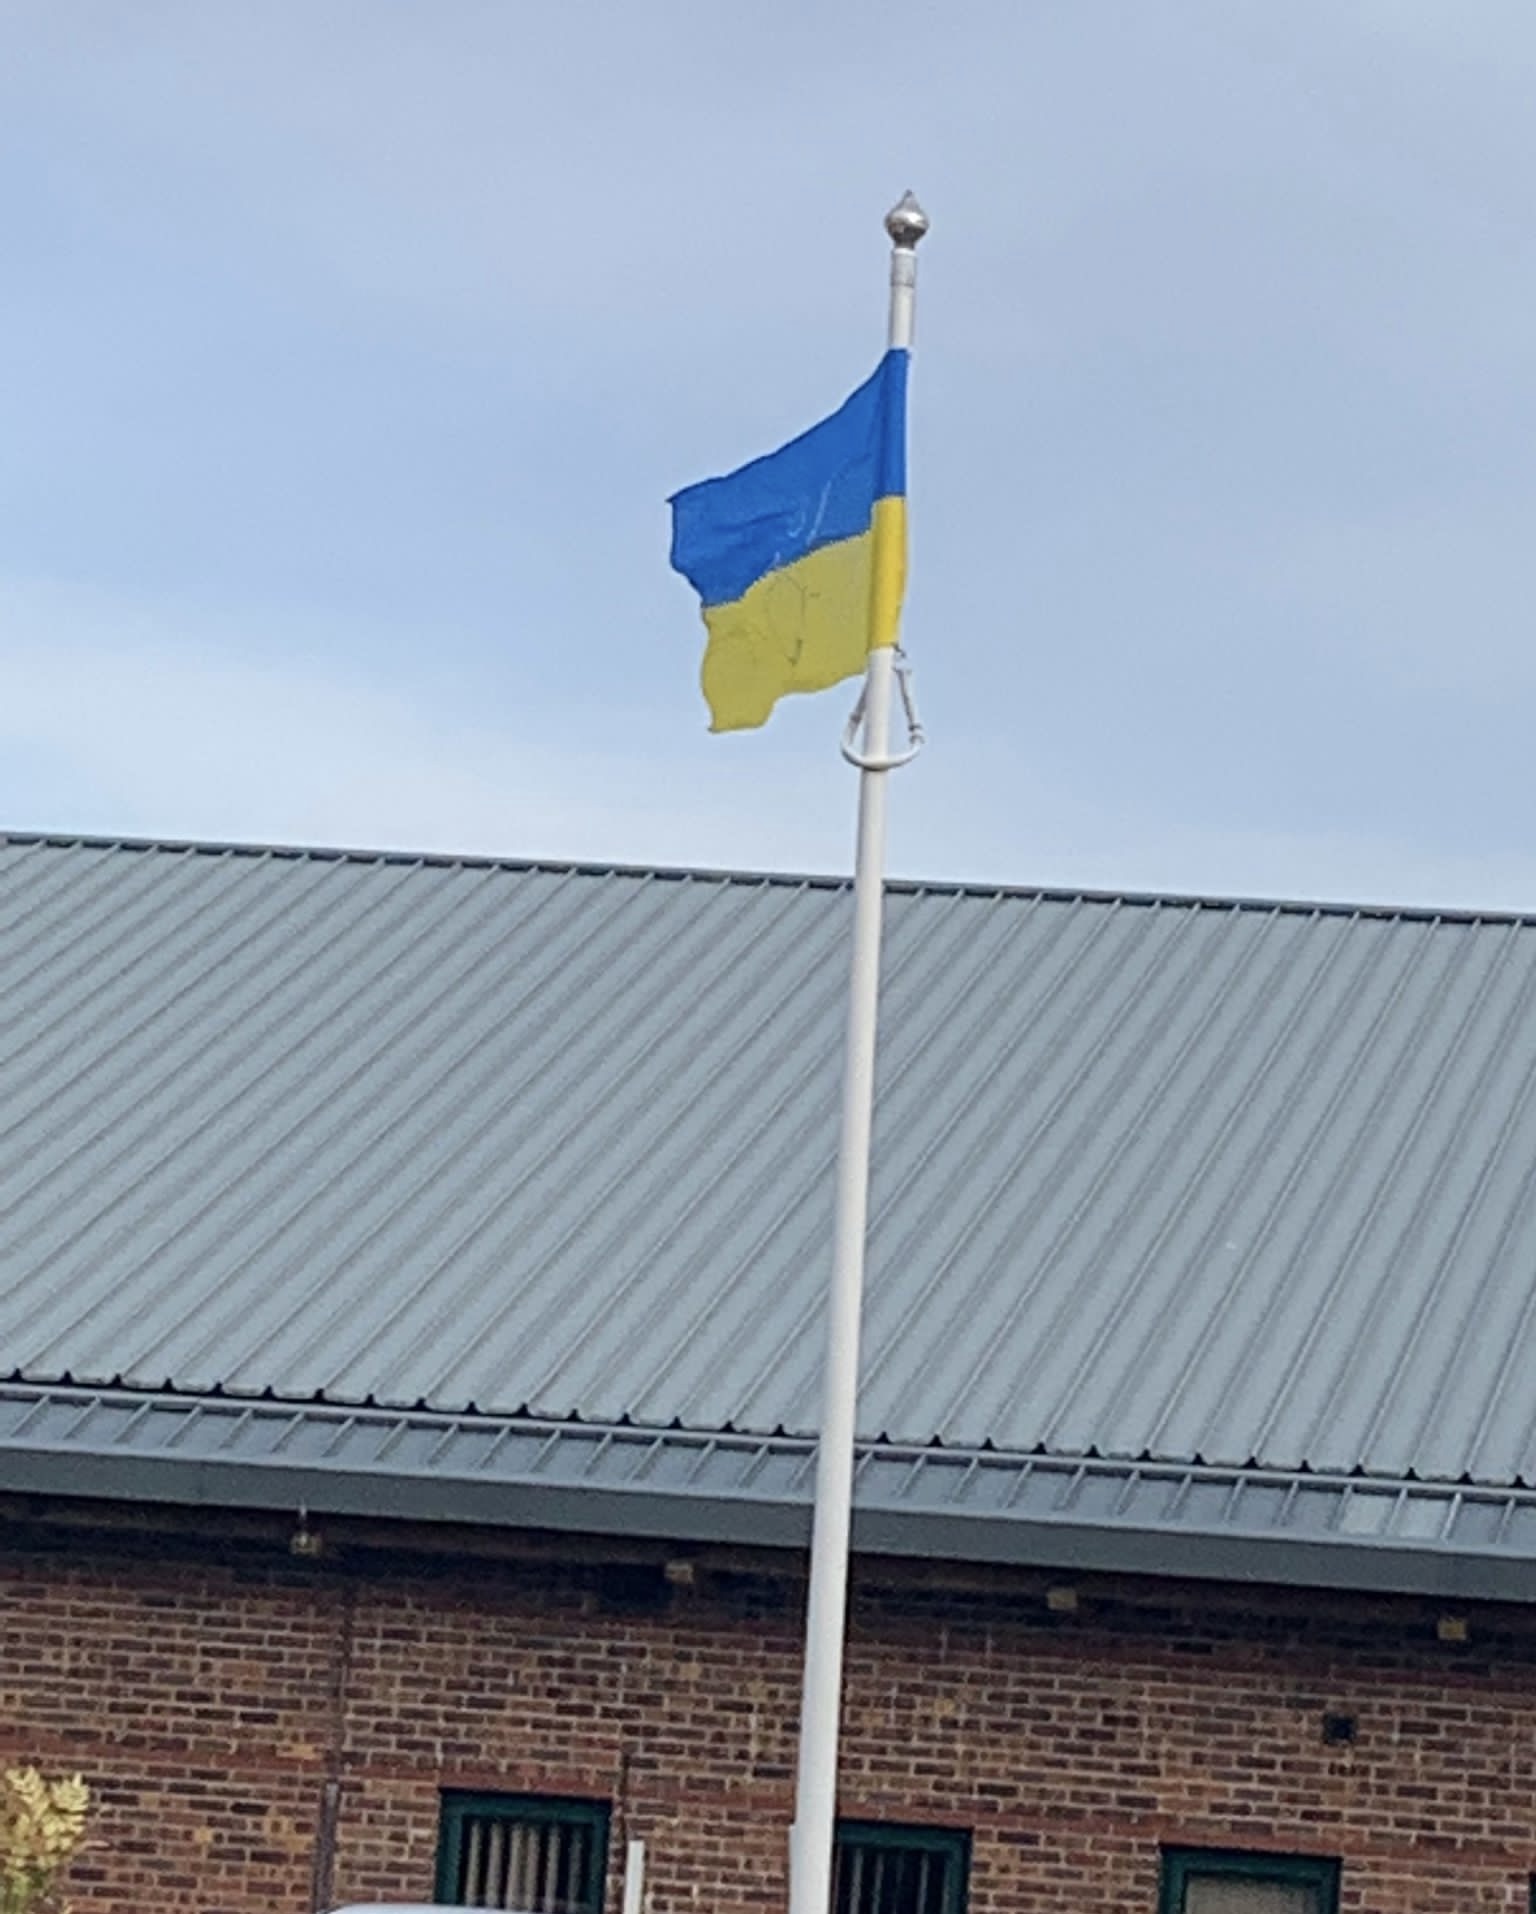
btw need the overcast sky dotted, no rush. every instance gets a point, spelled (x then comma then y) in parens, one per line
(351, 347)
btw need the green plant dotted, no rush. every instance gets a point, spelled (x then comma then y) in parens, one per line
(42, 1824)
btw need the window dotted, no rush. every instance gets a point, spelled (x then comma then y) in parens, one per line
(890, 1870)
(1214, 1883)
(534, 1853)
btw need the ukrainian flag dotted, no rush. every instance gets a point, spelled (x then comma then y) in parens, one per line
(800, 558)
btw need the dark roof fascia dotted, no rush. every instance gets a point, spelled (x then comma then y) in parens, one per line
(1061, 1513)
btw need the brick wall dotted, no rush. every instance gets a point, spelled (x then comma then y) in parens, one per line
(261, 1729)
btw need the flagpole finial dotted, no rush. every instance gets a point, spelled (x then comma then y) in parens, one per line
(906, 223)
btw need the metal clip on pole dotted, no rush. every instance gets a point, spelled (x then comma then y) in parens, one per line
(916, 736)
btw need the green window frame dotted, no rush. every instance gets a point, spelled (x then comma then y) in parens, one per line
(1182, 1865)
(544, 1854)
(882, 1867)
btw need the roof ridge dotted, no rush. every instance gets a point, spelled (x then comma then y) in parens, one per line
(814, 880)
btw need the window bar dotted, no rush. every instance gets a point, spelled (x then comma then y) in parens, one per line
(924, 1871)
(517, 1883)
(855, 1901)
(579, 1866)
(470, 1868)
(549, 1894)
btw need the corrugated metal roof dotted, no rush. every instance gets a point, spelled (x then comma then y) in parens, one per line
(958, 1505)
(1189, 1180)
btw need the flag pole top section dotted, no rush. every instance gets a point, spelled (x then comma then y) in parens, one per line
(906, 223)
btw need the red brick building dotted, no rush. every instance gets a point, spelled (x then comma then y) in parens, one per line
(409, 1276)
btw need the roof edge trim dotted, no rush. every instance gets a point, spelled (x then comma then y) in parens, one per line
(805, 880)
(1147, 1519)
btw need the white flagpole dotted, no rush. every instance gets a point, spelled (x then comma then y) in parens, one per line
(810, 1858)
